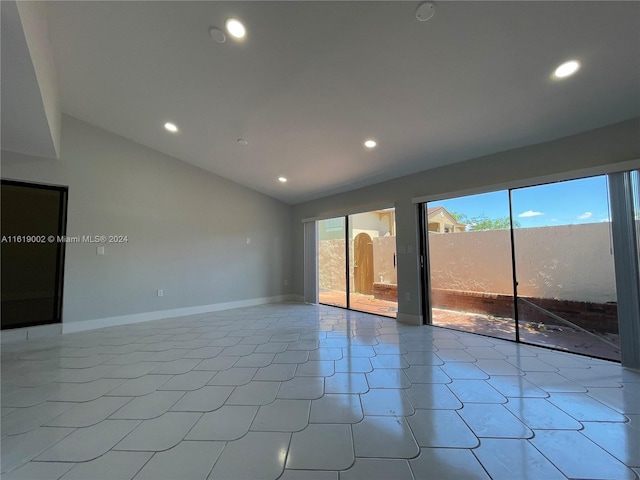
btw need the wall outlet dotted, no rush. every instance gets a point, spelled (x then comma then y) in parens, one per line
(160, 293)
(407, 296)
(99, 250)
(248, 240)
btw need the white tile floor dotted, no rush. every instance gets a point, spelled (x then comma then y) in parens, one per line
(304, 392)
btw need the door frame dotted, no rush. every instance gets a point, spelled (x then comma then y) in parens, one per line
(60, 250)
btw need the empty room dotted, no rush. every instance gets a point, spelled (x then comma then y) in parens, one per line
(326, 240)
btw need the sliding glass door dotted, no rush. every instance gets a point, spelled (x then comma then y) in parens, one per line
(564, 267)
(357, 262)
(372, 262)
(470, 263)
(531, 264)
(332, 257)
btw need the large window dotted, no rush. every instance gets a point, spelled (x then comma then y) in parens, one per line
(357, 262)
(531, 264)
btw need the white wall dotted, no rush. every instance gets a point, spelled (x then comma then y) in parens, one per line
(187, 229)
(587, 152)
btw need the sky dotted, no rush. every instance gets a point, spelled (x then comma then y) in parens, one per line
(562, 203)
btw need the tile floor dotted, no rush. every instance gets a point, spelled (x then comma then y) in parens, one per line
(602, 345)
(294, 391)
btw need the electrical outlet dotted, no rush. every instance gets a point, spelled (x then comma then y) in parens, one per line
(160, 293)
(248, 240)
(407, 296)
(99, 250)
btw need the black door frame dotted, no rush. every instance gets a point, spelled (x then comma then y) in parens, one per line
(60, 250)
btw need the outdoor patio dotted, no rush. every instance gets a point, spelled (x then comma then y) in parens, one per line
(561, 338)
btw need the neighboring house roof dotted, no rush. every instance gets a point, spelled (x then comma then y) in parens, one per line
(432, 212)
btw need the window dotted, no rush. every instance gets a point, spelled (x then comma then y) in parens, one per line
(533, 264)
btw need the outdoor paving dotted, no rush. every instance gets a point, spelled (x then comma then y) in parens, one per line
(360, 302)
(561, 338)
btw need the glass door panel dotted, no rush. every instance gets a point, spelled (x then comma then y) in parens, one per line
(32, 271)
(565, 267)
(332, 259)
(471, 281)
(372, 266)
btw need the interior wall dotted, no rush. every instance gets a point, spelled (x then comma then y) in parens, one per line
(187, 229)
(593, 150)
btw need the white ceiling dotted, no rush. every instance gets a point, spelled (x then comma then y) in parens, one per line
(313, 80)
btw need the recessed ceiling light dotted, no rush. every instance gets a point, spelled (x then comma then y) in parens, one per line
(235, 28)
(567, 69)
(243, 142)
(171, 127)
(370, 143)
(282, 179)
(425, 11)
(217, 35)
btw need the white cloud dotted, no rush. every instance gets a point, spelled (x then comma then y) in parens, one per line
(585, 216)
(605, 219)
(530, 213)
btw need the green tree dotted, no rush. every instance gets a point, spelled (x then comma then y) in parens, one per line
(482, 222)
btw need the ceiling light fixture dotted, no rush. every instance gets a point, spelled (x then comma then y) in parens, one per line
(370, 143)
(217, 35)
(425, 11)
(282, 179)
(235, 28)
(567, 69)
(171, 127)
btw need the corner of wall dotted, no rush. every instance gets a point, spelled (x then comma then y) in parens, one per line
(409, 319)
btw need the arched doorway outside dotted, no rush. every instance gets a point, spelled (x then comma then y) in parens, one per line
(363, 264)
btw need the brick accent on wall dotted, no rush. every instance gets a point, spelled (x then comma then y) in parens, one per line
(385, 291)
(602, 317)
(473, 302)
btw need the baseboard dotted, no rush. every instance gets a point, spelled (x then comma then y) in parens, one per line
(409, 319)
(84, 325)
(30, 333)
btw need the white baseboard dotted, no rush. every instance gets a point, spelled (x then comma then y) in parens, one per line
(30, 333)
(409, 318)
(81, 326)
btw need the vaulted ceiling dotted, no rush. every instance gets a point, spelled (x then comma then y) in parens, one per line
(311, 81)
